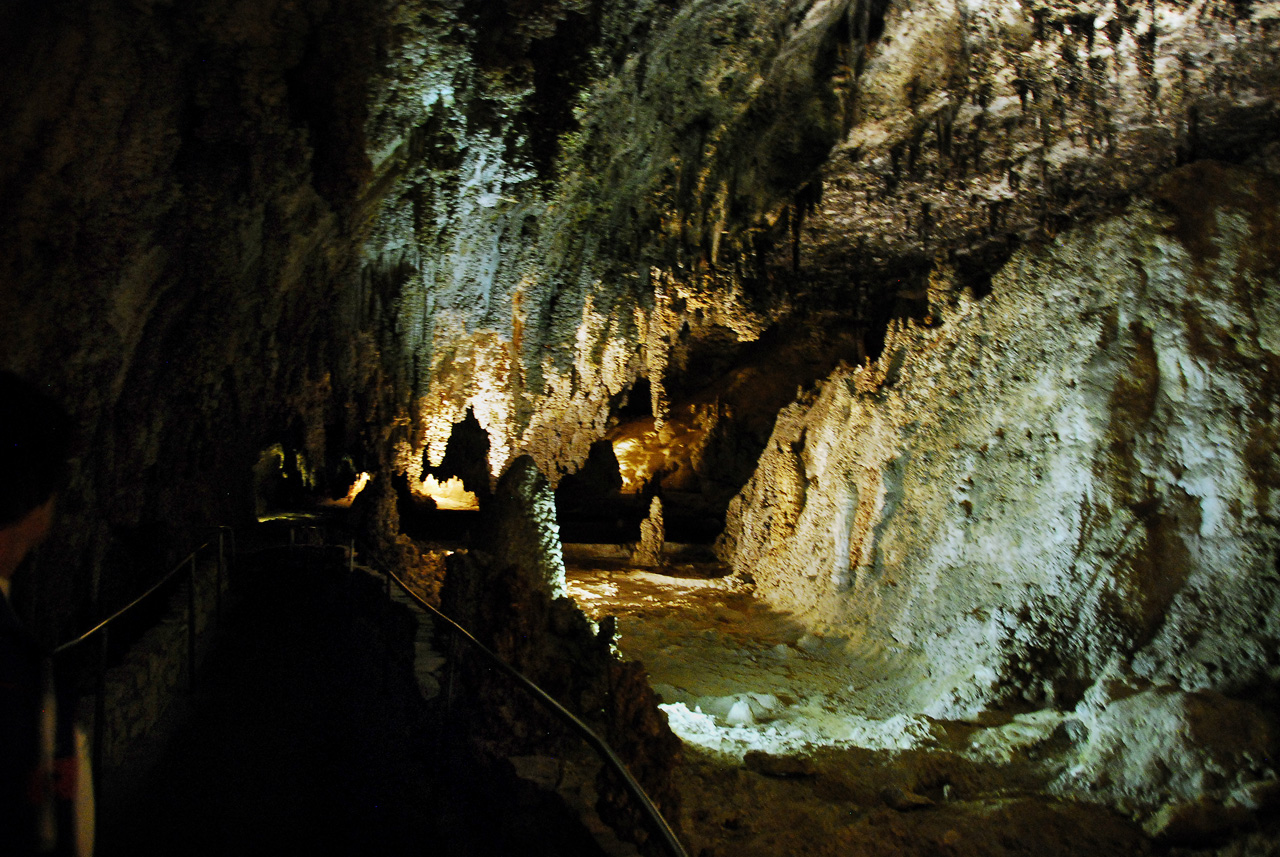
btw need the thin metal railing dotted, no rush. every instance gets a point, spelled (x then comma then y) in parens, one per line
(102, 629)
(606, 753)
(656, 820)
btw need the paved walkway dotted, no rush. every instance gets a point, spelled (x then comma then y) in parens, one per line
(299, 741)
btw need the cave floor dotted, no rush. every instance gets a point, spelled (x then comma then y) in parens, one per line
(793, 743)
(737, 675)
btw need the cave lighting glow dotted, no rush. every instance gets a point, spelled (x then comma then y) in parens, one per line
(356, 487)
(450, 494)
(632, 461)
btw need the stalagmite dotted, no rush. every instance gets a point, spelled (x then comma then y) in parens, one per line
(652, 537)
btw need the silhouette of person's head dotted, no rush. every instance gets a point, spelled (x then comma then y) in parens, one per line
(35, 439)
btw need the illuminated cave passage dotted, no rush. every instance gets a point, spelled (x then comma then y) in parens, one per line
(892, 382)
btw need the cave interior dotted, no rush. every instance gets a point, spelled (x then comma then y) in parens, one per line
(864, 413)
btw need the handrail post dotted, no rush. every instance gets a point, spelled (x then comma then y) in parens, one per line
(217, 582)
(100, 714)
(451, 666)
(351, 585)
(191, 626)
(386, 634)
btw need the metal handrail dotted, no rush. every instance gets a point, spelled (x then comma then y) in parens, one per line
(597, 743)
(189, 564)
(72, 643)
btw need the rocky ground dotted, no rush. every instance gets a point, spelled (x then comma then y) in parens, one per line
(799, 744)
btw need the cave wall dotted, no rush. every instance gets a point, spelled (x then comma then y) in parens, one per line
(1069, 480)
(177, 182)
(342, 225)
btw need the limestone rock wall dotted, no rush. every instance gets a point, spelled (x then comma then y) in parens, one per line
(155, 671)
(699, 170)
(548, 201)
(1073, 478)
(175, 184)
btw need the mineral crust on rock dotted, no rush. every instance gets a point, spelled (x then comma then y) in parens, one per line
(1061, 489)
(1074, 473)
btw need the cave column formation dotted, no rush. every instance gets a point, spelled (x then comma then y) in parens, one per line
(954, 324)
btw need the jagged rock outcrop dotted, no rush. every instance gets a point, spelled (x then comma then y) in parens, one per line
(511, 595)
(1192, 765)
(1073, 472)
(1069, 483)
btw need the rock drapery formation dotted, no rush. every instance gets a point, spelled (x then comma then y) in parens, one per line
(741, 162)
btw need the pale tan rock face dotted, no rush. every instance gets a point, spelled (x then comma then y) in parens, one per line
(1073, 476)
(727, 164)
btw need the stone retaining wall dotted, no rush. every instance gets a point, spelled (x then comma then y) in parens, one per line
(154, 672)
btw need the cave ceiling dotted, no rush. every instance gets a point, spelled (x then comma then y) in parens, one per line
(345, 225)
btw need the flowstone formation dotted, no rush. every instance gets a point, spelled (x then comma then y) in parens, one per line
(1063, 495)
